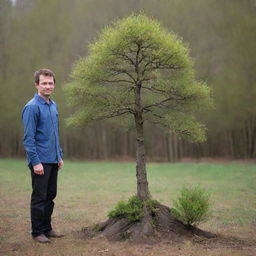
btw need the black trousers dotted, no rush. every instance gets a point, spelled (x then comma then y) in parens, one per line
(44, 190)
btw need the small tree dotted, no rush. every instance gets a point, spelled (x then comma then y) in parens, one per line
(192, 206)
(138, 69)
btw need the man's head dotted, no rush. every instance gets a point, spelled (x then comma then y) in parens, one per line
(44, 82)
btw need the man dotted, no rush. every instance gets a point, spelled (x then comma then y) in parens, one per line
(41, 143)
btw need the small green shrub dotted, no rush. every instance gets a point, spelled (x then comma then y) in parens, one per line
(132, 210)
(192, 206)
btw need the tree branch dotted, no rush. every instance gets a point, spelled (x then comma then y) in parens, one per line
(124, 57)
(162, 101)
(157, 63)
(154, 90)
(154, 114)
(111, 115)
(118, 71)
(116, 81)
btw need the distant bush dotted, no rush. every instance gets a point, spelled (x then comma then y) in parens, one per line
(132, 210)
(192, 206)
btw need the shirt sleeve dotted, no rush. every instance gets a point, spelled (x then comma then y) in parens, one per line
(60, 149)
(30, 118)
(61, 153)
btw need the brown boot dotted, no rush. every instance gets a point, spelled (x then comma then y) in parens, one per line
(41, 239)
(53, 234)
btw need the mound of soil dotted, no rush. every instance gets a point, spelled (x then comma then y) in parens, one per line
(154, 226)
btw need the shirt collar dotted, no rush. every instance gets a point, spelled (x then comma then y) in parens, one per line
(41, 99)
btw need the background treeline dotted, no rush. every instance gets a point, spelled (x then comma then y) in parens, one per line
(55, 33)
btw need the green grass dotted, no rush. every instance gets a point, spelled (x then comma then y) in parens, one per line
(88, 190)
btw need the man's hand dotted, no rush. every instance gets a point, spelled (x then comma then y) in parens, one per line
(38, 169)
(60, 164)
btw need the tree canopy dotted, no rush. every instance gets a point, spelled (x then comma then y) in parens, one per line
(137, 53)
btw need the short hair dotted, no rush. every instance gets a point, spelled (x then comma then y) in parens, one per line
(45, 72)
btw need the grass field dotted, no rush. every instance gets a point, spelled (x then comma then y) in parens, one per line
(88, 190)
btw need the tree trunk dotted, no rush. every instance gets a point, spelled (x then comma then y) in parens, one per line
(141, 174)
(231, 144)
(104, 142)
(175, 147)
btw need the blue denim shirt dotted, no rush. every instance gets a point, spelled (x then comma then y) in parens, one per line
(41, 131)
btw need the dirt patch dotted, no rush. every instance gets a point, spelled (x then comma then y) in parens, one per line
(221, 241)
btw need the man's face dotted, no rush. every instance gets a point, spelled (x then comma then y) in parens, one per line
(45, 86)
